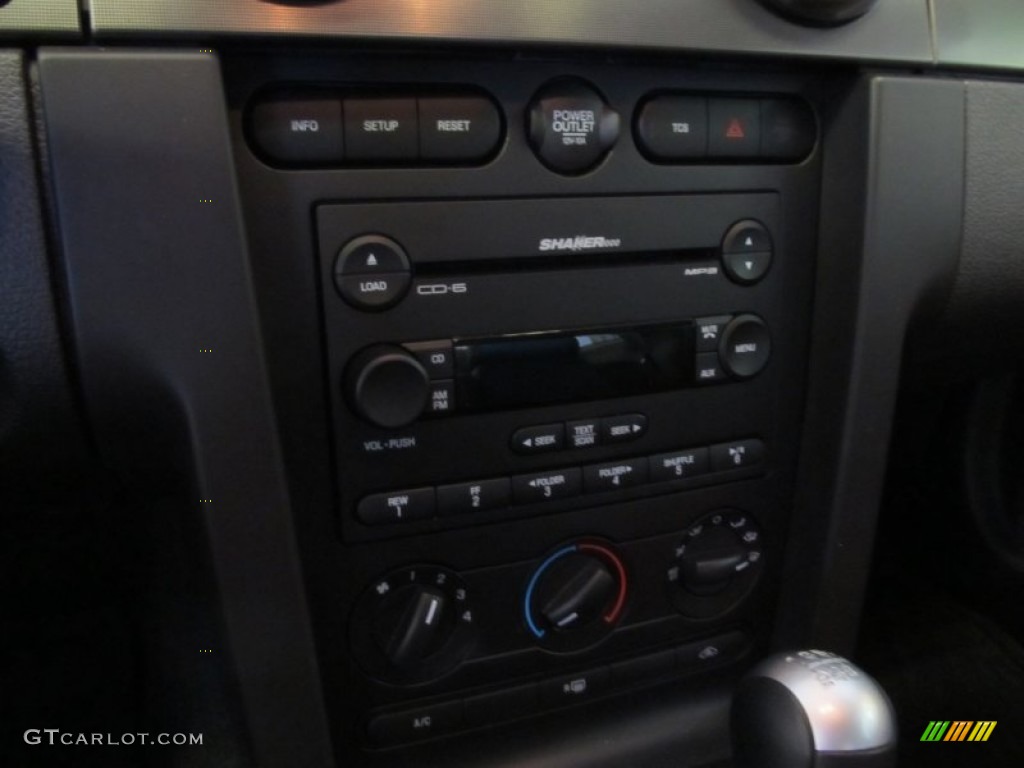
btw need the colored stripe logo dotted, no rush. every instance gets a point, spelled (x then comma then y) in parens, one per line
(958, 730)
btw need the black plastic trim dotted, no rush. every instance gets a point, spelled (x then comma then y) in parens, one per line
(156, 277)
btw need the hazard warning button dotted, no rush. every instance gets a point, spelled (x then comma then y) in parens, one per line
(734, 128)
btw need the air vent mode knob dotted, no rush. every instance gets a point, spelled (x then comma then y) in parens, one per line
(820, 12)
(715, 565)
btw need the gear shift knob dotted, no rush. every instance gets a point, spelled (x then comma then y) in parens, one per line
(811, 709)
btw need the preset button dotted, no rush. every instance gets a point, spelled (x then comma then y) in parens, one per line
(614, 476)
(736, 455)
(463, 498)
(396, 507)
(546, 486)
(679, 465)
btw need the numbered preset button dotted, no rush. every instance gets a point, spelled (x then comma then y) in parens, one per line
(679, 465)
(466, 498)
(547, 486)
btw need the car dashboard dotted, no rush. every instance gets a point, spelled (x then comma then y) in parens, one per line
(390, 383)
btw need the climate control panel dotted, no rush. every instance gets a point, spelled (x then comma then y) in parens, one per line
(460, 632)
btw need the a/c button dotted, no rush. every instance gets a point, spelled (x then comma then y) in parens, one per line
(416, 724)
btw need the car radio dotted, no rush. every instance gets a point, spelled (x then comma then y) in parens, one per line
(454, 406)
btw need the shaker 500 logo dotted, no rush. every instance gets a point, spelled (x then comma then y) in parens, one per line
(578, 243)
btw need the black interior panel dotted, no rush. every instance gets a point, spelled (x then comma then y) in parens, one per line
(399, 384)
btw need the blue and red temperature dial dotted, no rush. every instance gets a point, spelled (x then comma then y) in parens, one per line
(576, 596)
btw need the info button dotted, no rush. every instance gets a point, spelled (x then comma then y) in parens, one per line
(299, 129)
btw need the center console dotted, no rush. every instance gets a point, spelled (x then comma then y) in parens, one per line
(550, 322)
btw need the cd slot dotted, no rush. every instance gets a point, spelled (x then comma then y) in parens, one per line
(561, 261)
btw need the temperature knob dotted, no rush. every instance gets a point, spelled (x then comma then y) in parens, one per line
(420, 625)
(715, 565)
(575, 596)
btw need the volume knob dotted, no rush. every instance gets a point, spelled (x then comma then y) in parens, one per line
(387, 386)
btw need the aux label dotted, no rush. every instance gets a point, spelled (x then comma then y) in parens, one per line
(440, 289)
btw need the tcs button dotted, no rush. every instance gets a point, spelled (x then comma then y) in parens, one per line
(571, 128)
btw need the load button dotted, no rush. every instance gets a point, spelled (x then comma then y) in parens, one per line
(372, 272)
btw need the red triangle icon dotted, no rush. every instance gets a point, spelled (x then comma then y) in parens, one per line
(735, 130)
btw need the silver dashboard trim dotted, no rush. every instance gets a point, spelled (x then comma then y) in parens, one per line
(45, 17)
(894, 30)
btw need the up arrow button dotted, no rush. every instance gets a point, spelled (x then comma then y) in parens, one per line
(746, 252)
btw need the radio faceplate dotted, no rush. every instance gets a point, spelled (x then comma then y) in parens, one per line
(692, 355)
